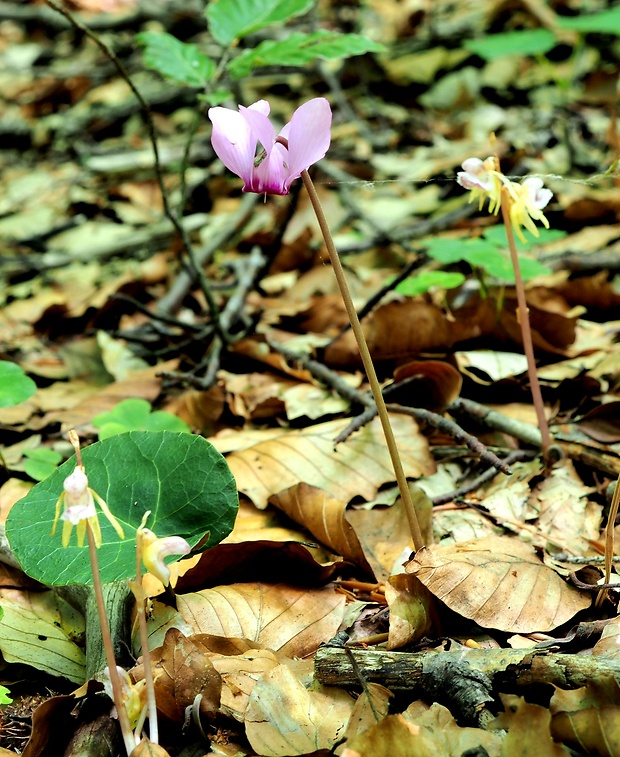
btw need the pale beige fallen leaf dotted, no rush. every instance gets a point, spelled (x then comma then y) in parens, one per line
(39, 629)
(286, 718)
(283, 618)
(450, 739)
(529, 729)
(498, 582)
(451, 526)
(325, 518)
(489, 366)
(384, 533)
(277, 459)
(410, 604)
(567, 517)
(507, 497)
(609, 643)
(239, 676)
(145, 384)
(370, 707)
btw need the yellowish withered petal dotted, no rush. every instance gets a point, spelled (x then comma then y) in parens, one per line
(154, 551)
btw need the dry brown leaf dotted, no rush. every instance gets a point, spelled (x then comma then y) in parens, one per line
(286, 718)
(499, 583)
(182, 671)
(325, 518)
(286, 619)
(384, 533)
(278, 459)
(145, 384)
(609, 643)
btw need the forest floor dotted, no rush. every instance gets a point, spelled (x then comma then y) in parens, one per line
(327, 634)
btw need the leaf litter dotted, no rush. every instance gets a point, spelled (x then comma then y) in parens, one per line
(89, 260)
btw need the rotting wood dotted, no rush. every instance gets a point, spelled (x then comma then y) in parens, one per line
(508, 669)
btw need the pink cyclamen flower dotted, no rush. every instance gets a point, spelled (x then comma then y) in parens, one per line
(236, 135)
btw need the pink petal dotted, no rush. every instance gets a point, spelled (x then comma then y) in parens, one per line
(260, 125)
(308, 136)
(233, 141)
(473, 165)
(270, 176)
(538, 194)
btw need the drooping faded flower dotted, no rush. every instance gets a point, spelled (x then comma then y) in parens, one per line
(133, 696)
(79, 509)
(527, 200)
(236, 135)
(154, 551)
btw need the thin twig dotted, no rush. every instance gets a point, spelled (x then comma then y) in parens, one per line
(168, 211)
(333, 380)
(483, 478)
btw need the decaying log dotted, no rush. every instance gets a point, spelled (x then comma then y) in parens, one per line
(506, 669)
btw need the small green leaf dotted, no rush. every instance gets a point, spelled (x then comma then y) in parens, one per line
(41, 462)
(135, 414)
(179, 61)
(4, 695)
(497, 236)
(446, 251)
(526, 42)
(232, 19)
(15, 386)
(299, 49)
(427, 280)
(605, 22)
(181, 478)
(217, 97)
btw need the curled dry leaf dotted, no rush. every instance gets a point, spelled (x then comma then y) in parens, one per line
(276, 460)
(410, 605)
(283, 618)
(435, 383)
(325, 518)
(499, 583)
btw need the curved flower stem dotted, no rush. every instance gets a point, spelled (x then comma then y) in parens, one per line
(526, 332)
(123, 719)
(140, 596)
(356, 327)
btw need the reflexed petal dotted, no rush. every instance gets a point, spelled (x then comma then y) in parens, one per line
(233, 141)
(154, 550)
(538, 195)
(308, 136)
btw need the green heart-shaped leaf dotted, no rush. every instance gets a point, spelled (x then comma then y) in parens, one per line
(181, 478)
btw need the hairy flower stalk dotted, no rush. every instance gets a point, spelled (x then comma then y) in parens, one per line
(521, 205)
(151, 551)
(286, 157)
(80, 511)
